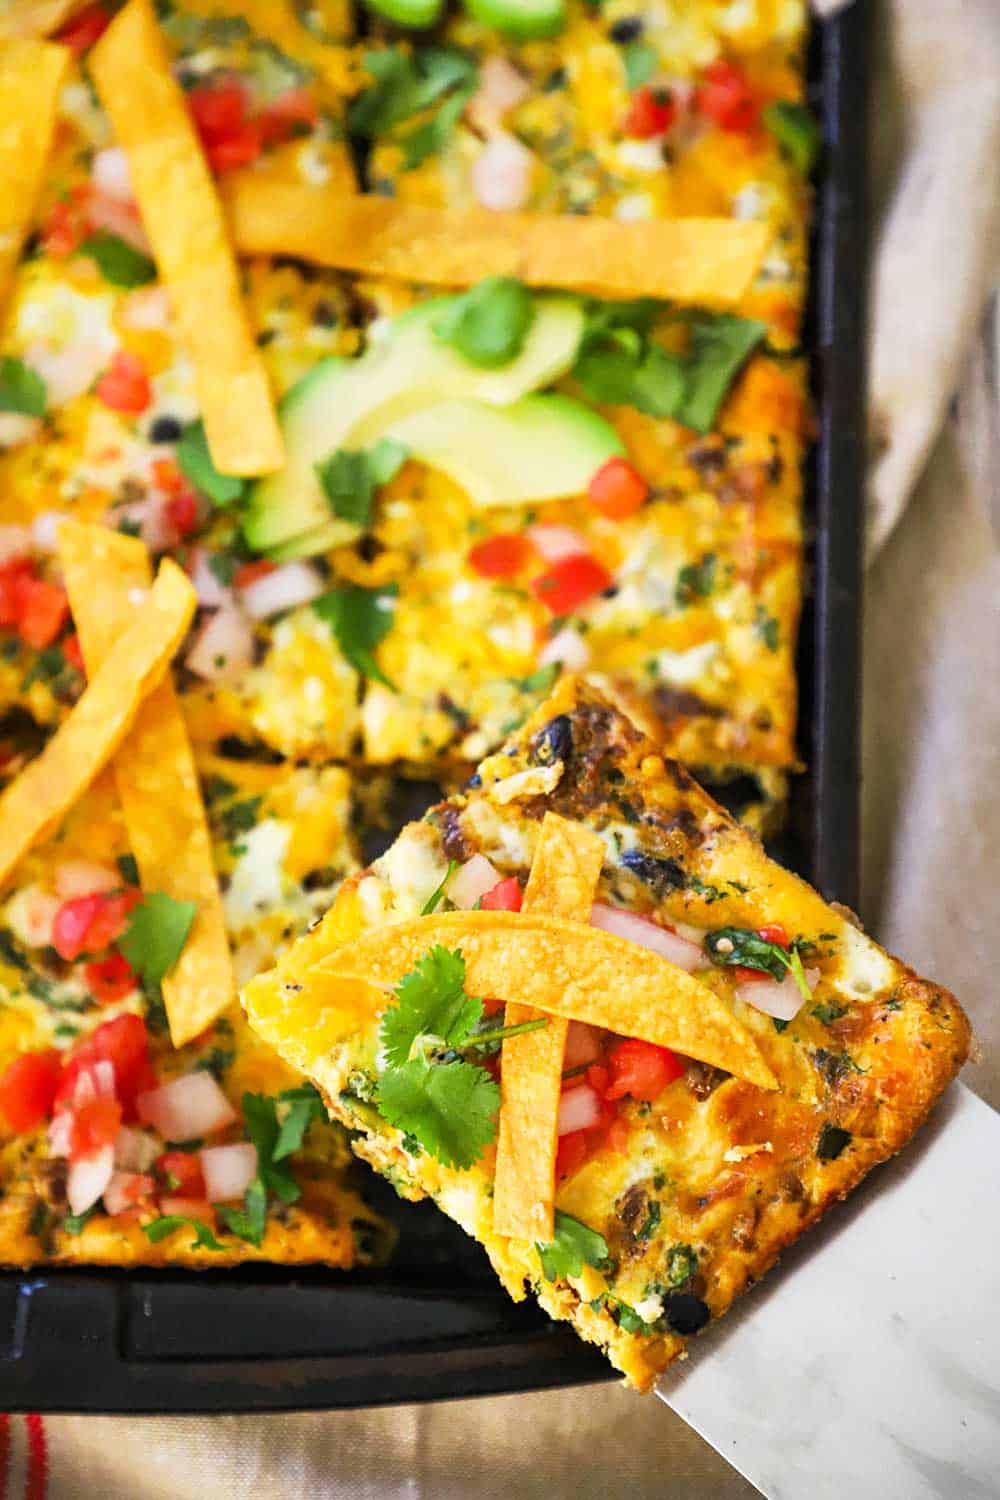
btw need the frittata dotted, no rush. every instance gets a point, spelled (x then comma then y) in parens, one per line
(678, 1184)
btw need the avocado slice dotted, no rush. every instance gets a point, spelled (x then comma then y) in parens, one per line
(524, 20)
(407, 12)
(348, 403)
(539, 448)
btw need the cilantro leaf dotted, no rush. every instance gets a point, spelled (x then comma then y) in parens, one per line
(489, 323)
(350, 479)
(740, 946)
(305, 1106)
(796, 132)
(641, 62)
(574, 1247)
(360, 618)
(195, 462)
(406, 85)
(719, 347)
(432, 136)
(434, 899)
(118, 262)
(430, 1001)
(250, 1221)
(203, 1236)
(155, 936)
(695, 581)
(451, 1108)
(74, 1223)
(260, 1116)
(21, 388)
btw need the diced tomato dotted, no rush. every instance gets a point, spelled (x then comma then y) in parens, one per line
(617, 490)
(188, 1208)
(72, 651)
(650, 112)
(501, 556)
(727, 98)
(506, 895)
(67, 224)
(11, 575)
(774, 932)
(94, 1125)
(182, 512)
(167, 476)
(181, 1173)
(572, 1153)
(110, 978)
(123, 1043)
(84, 29)
(125, 386)
(640, 1069)
(251, 571)
(238, 150)
(570, 583)
(598, 1078)
(617, 1136)
(42, 610)
(86, 924)
(219, 109)
(28, 1087)
(292, 114)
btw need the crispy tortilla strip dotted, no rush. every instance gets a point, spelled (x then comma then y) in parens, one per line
(36, 801)
(562, 883)
(710, 262)
(28, 18)
(181, 211)
(31, 75)
(564, 969)
(154, 770)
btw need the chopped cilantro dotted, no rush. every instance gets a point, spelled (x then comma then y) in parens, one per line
(154, 939)
(680, 1264)
(305, 1105)
(203, 1236)
(574, 1246)
(260, 1115)
(360, 618)
(222, 565)
(835, 1066)
(832, 1141)
(118, 262)
(795, 131)
(641, 62)
(745, 948)
(349, 479)
(651, 1222)
(430, 1002)
(829, 1011)
(489, 323)
(38, 1224)
(75, 1223)
(765, 628)
(195, 462)
(21, 388)
(434, 899)
(720, 345)
(239, 817)
(539, 681)
(406, 85)
(695, 580)
(217, 1061)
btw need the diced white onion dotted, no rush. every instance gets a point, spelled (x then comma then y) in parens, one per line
(81, 877)
(109, 170)
(88, 1178)
(567, 648)
(472, 881)
(94, 1082)
(223, 645)
(15, 541)
(45, 529)
(579, 1109)
(186, 1107)
(30, 914)
(116, 217)
(16, 428)
(211, 593)
(669, 945)
(146, 307)
(556, 542)
(135, 1150)
(126, 1190)
(60, 1127)
(68, 372)
(295, 583)
(583, 1043)
(228, 1170)
(501, 174)
(778, 998)
(501, 88)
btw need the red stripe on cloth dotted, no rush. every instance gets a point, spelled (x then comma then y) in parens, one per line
(4, 1451)
(38, 1458)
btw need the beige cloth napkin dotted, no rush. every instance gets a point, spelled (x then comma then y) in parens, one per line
(931, 819)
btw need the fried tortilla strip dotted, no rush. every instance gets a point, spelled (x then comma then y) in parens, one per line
(154, 770)
(562, 883)
(564, 969)
(35, 802)
(710, 262)
(31, 75)
(183, 217)
(30, 18)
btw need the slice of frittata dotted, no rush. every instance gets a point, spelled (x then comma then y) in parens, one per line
(677, 1183)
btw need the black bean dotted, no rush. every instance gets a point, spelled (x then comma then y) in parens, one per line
(165, 430)
(556, 80)
(659, 874)
(685, 1313)
(554, 742)
(626, 30)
